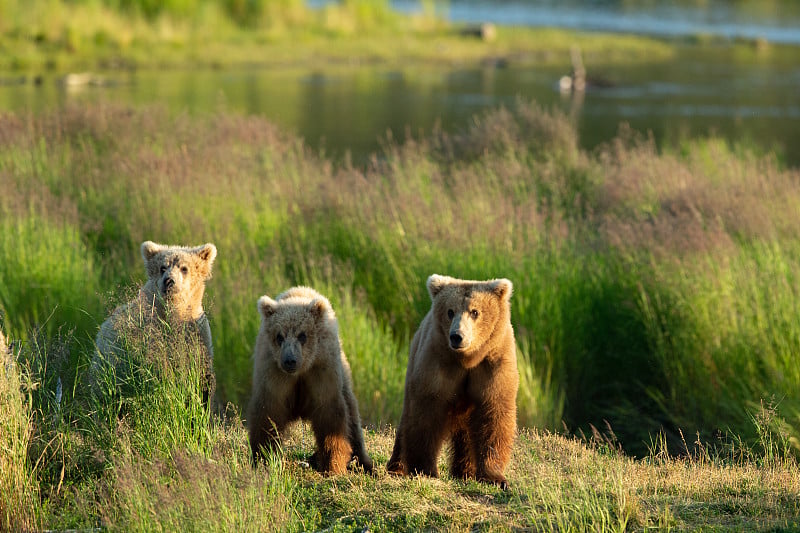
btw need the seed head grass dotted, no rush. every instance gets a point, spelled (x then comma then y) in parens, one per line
(655, 296)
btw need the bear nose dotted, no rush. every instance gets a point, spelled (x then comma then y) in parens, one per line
(169, 283)
(289, 365)
(455, 340)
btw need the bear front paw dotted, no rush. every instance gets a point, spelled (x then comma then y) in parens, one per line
(396, 468)
(495, 479)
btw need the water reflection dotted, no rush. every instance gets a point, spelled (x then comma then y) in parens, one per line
(351, 109)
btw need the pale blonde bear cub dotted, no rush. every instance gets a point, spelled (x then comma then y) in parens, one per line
(300, 372)
(176, 282)
(461, 383)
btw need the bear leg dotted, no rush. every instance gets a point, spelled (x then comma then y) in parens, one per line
(423, 440)
(264, 438)
(265, 428)
(462, 464)
(395, 464)
(333, 454)
(492, 439)
(331, 434)
(356, 433)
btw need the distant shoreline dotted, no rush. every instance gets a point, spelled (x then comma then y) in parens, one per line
(82, 38)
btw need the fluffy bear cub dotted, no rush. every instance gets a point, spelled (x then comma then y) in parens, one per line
(301, 373)
(173, 294)
(461, 383)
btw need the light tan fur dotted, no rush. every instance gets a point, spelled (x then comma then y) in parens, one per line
(461, 383)
(176, 282)
(300, 372)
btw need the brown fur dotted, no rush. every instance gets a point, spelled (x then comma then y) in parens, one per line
(464, 393)
(301, 373)
(176, 282)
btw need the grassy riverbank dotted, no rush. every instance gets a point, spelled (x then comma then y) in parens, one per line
(653, 290)
(38, 38)
(161, 463)
(557, 484)
(656, 298)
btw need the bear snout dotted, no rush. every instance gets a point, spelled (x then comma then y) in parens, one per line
(169, 284)
(460, 334)
(289, 365)
(290, 360)
(456, 340)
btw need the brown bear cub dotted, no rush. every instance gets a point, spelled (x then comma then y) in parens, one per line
(301, 373)
(461, 383)
(173, 294)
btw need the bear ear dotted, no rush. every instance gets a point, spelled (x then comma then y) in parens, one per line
(318, 307)
(502, 288)
(266, 306)
(207, 252)
(436, 283)
(150, 249)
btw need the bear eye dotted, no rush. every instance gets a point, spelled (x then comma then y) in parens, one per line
(474, 314)
(279, 339)
(163, 268)
(302, 337)
(184, 270)
(450, 313)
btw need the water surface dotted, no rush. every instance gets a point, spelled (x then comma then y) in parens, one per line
(750, 96)
(777, 21)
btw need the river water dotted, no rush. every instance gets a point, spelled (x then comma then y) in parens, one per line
(752, 98)
(777, 21)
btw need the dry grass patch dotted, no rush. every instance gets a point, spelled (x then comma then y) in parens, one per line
(557, 484)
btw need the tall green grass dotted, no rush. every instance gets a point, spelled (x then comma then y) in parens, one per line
(138, 451)
(654, 291)
(18, 486)
(46, 271)
(655, 297)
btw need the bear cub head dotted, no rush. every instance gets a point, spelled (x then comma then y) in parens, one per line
(176, 275)
(466, 313)
(293, 326)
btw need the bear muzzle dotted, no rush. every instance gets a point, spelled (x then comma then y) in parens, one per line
(168, 285)
(290, 359)
(460, 340)
(460, 334)
(455, 341)
(170, 279)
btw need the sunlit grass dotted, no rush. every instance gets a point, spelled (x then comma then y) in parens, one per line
(18, 485)
(645, 283)
(45, 272)
(655, 298)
